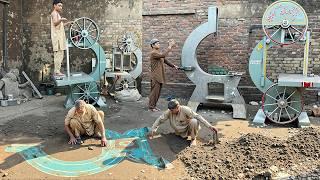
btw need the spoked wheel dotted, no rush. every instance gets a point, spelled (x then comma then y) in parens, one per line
(84, 33)
(285, 19)
(126, 84)
(128, 42)
(282, 105)
(87, 92)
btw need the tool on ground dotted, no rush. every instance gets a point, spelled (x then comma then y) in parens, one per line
(215, 138)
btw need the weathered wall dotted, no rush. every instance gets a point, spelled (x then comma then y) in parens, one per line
(113, 17)
(232, 47)
(163, 19)
(14, 29)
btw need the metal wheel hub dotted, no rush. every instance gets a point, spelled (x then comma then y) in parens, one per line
(84, 33)
(285, 24)
(282, 103)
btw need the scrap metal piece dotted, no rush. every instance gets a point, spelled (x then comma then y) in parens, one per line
(32, 85)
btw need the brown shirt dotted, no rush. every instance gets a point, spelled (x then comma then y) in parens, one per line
(180, 121)
(88, 119)
(157, 61)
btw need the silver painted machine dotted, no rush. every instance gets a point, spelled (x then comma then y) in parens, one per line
(126, 67)
(201, 79)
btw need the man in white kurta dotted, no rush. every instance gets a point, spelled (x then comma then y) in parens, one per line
(58, 36)
(183, 120)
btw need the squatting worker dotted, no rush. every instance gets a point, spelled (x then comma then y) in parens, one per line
(183, 120)
(84, 119)
(157, 74)
(58, 36)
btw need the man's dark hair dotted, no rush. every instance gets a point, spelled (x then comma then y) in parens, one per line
(173, 104)
(56, 2)
(78, 103)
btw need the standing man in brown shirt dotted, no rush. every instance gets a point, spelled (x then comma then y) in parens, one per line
(58, 36)
(157, 74)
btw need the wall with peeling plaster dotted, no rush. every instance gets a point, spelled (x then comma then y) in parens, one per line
(14, 30)
(29, 35)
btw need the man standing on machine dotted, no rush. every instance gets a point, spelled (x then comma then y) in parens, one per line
(58, 36)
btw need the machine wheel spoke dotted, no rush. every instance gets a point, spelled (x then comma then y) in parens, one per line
(272, 97)
(293, 109)
(291, 94)
(288, 114)
(80, 88)
(280, 115)
(271, 104)
(78, 26)
(294, 102)
(80, 39)
(284, 92)
(296, 29)
(292, 38)
(275, 32)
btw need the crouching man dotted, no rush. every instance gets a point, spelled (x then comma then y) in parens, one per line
(183, 120)
(84, 119)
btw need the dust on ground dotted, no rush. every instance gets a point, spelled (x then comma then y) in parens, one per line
(256, 156)
(245, 151)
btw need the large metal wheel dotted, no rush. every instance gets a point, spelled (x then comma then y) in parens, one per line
(126, 84)
(128, 42)
(282, 105)
(86, 91)
(285, 19)
(84, 33)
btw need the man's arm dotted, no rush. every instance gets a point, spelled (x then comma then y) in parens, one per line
(67, 128)
(103, 136)
(163, 118)
(170, 64)
(97, 119)
(158, 55)
(197, 116)
(56, 21)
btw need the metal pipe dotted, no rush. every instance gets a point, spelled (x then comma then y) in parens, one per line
(5, 34)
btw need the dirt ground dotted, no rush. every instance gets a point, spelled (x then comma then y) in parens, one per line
(245, 150)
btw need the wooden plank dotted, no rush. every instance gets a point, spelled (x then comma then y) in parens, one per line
(33, 86)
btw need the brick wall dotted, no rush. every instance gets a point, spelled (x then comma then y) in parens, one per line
(232, 47)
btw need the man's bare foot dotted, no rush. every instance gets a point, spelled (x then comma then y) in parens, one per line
(59, 74)
(193, 142)
(154, 110)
